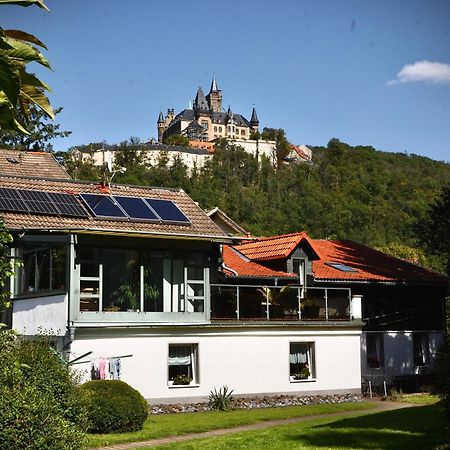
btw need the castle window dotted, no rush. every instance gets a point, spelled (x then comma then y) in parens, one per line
(204, 124)
(243, 132)
(220, 129)
(215, 129)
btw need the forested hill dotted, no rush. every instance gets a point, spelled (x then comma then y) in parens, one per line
(355, 193)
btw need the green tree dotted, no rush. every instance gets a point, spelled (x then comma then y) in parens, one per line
(41, 130)
(283, 146)
(178, 140)
(434, 229)
(18, 88)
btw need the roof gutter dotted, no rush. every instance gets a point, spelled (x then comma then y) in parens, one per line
(132, 233)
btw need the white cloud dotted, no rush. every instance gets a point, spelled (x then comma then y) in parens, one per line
(423, 71)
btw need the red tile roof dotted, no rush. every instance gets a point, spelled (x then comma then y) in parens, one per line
(370, 264)
(241, 266)
(31, 164)
(201, 225)
(274, 247)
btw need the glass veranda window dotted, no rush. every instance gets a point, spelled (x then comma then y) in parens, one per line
(375, 350)
(43, 268)
(121, 280)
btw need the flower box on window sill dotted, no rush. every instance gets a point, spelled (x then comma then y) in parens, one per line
(178, 386)
(301, 380)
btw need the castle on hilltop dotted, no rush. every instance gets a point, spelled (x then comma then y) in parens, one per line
(206, 120)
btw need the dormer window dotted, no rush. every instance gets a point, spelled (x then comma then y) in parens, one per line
(299, 268)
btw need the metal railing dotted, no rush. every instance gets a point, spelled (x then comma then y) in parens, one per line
(282, 303)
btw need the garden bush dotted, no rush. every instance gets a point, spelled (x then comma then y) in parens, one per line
(40, 405)
(113, 406)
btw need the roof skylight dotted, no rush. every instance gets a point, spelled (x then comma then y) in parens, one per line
(341, 267)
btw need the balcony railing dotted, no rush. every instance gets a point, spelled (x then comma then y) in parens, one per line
(278, 303)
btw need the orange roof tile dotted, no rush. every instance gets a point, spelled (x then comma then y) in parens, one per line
(370, 264)
(31, 164)
(275, 247)
(241, 266)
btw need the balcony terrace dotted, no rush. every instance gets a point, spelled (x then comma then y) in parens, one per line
(279, 303)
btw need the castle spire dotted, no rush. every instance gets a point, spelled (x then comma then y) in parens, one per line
(254, 122)
(213, 85)
(161, 117)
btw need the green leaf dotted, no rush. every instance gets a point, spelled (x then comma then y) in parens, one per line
(9, 79)
(31, 80)
(39, 3)
(9, 122)
(36, 96)
(25, 53)
(23, 36)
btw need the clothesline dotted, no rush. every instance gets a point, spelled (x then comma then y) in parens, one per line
(90, 360)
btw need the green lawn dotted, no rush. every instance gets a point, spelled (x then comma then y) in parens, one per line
(178, 424)
(415, 428)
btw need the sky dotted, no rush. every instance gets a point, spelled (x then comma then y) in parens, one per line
(366, 72)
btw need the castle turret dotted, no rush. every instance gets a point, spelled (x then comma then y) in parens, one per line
(161, 124)
(214, 97)
(254, 122)
(200, 103)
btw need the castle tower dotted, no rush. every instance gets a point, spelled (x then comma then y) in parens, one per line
(254, 122)
(161, 124)
(200, 103)
(214, 97)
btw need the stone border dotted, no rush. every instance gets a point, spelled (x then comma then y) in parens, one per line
(258, 402)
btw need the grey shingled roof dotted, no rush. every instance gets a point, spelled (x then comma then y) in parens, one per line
(200, 100)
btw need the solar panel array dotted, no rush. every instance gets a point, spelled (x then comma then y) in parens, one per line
(101, 206)
(40, 202)
(134, 208)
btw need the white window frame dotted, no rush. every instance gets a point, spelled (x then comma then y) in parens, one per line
(194, 365)
(310, 355)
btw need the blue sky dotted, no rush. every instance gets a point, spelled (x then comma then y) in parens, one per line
(367, 72)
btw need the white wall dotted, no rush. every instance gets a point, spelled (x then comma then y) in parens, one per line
(246, 361)
(41, 313)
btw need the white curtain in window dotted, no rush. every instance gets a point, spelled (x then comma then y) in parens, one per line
(179, 356)
(298, 354)
(378, 347)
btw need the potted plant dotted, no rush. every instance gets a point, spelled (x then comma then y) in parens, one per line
(182, 380)
(303, 374)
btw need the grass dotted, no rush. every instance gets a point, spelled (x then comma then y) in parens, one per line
(415, 428)
(177, 424)
(418, 399)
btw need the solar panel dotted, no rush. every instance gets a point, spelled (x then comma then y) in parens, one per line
(10, 200)
(136, 208)
(103, 206)
(67, 204)
(167, 210)
(40, 202)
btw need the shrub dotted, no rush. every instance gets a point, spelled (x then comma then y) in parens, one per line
(40, 405)
(221, 399)
(113, 406)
